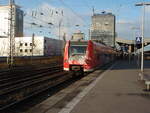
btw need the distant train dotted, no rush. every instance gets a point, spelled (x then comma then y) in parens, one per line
(86, 56)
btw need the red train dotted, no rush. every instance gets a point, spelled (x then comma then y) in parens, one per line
(86, 56)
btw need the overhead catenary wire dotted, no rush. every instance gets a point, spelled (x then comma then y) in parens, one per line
(87, 5)
(36, 21)
(39, 14)
(85, 21)
(37, 17)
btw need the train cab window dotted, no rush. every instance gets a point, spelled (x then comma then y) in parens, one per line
(77, 50)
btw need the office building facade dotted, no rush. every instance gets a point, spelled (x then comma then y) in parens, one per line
(17, 20)
(103, 28)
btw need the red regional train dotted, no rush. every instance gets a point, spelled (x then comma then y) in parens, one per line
(86, 56)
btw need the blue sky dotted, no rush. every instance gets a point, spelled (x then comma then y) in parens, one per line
(127, 15)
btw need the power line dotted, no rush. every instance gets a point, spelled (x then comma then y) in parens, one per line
(73, 11)
(36, 18)
(87, 5)
(39, 14)
(37, 22)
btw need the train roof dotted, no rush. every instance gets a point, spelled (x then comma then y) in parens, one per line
(80, 42)
(85, 42)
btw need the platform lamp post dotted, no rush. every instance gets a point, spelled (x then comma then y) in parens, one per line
(143, 22)
(134, 35)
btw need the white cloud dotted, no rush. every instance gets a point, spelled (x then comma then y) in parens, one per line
(124, 22)
(124, 29)
(147, 9)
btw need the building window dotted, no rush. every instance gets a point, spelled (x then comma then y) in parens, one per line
(45, 41)
(30, 44)
(30, 50)
(26, 44)
(21, 44)
(21, 50)
(26, 50)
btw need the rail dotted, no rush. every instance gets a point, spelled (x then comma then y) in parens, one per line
(17, 87)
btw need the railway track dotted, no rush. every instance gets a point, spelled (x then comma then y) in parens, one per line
(18, 86)
(25, 69)
(12, 75)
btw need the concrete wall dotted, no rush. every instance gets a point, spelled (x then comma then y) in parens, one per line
(52, 47)
(23, 46)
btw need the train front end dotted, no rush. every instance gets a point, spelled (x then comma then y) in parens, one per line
(75, 56)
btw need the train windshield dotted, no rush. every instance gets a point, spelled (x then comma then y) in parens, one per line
(77, 50)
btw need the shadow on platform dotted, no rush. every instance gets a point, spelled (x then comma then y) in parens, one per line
(126, 65)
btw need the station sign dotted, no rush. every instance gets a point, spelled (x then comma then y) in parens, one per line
(138, 40)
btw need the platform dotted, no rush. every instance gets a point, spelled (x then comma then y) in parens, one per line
(115, 91)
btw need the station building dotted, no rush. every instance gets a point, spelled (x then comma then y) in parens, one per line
(32, 46)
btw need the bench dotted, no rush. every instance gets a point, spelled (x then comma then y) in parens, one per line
(146, 78)
(147, 84)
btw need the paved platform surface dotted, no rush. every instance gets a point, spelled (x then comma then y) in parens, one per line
(117, 91)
